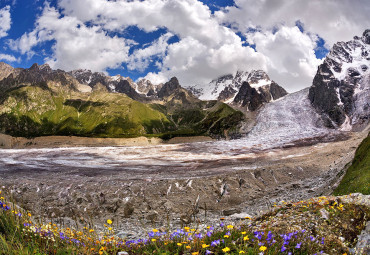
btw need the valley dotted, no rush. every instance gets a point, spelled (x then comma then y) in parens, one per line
(81, 147)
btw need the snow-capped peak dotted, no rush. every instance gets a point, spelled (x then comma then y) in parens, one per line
(226, 86)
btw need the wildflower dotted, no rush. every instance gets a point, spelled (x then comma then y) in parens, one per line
(153, 240)
(109, 222)
(91, 230)
(298, 246)
(188, 247)
(263, 248)
(209, 233)
(208, 252)
(241, 252)
(230, 226)
(29, 214)
(283, 249)
(195, 253)
(205, 245)
(246, 238)
(226, 236)
(179, 244)
(243, 233)
(226, 249)
(155, 230)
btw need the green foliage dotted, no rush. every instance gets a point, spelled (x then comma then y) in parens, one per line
(357, 177)
(32, 111)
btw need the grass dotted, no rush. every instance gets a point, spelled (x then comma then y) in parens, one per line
(20, 235)
(357, 177)
(32, 111)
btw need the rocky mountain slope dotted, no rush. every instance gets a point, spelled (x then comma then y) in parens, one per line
(341, 88)
(41, 101)
(250, 89)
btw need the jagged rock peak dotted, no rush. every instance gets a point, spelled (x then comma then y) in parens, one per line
(366, 36)
(169, 87)
(341, 87)
(225, 87)
(5, 70)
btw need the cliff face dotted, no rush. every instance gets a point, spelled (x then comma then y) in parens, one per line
(341, 88)
(233, 89)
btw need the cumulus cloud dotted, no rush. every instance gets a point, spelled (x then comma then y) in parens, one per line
(5, 21)
(290, 54)
(193, 62)
(208, 44)
(141, 58)
(332, 20)
(8, 57)
(76, 45)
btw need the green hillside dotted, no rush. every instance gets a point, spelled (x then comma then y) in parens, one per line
(31, 111)
(357, 177)
(35, 111)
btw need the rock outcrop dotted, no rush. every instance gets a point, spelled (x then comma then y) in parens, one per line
(341, 88)
(245, 89)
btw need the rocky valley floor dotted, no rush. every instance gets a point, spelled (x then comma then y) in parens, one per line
(143, 187)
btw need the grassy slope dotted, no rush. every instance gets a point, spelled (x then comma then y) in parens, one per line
(34, 111)
(357, 178)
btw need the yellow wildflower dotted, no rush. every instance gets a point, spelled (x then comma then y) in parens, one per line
(246, 238)
(263, 248)
(195, 253)
(226, 249)
(91, 230)
(230, 226)
(243, 233)
(153, 240)
(241, 252)
(155, 230)
(205, 245)
(179, 244)
(226, 236)
(29, 214)
(188, 247)
(109, 222)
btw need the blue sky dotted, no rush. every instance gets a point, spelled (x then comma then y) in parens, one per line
(193, 40)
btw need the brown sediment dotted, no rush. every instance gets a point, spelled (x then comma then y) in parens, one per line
(249, 184)
(9, 142)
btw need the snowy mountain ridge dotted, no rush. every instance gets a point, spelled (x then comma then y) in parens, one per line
(340, 91)
(225, 87)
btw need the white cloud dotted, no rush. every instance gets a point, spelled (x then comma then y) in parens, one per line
(206, 48)
(76, 45)
(332, 20)
(141, 58)
(5, 21)
(195, 63)
(8, 57)
(290, 56)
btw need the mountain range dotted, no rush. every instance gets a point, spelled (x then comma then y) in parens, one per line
(41, 101)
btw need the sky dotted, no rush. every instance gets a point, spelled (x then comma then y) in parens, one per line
(194, 40)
